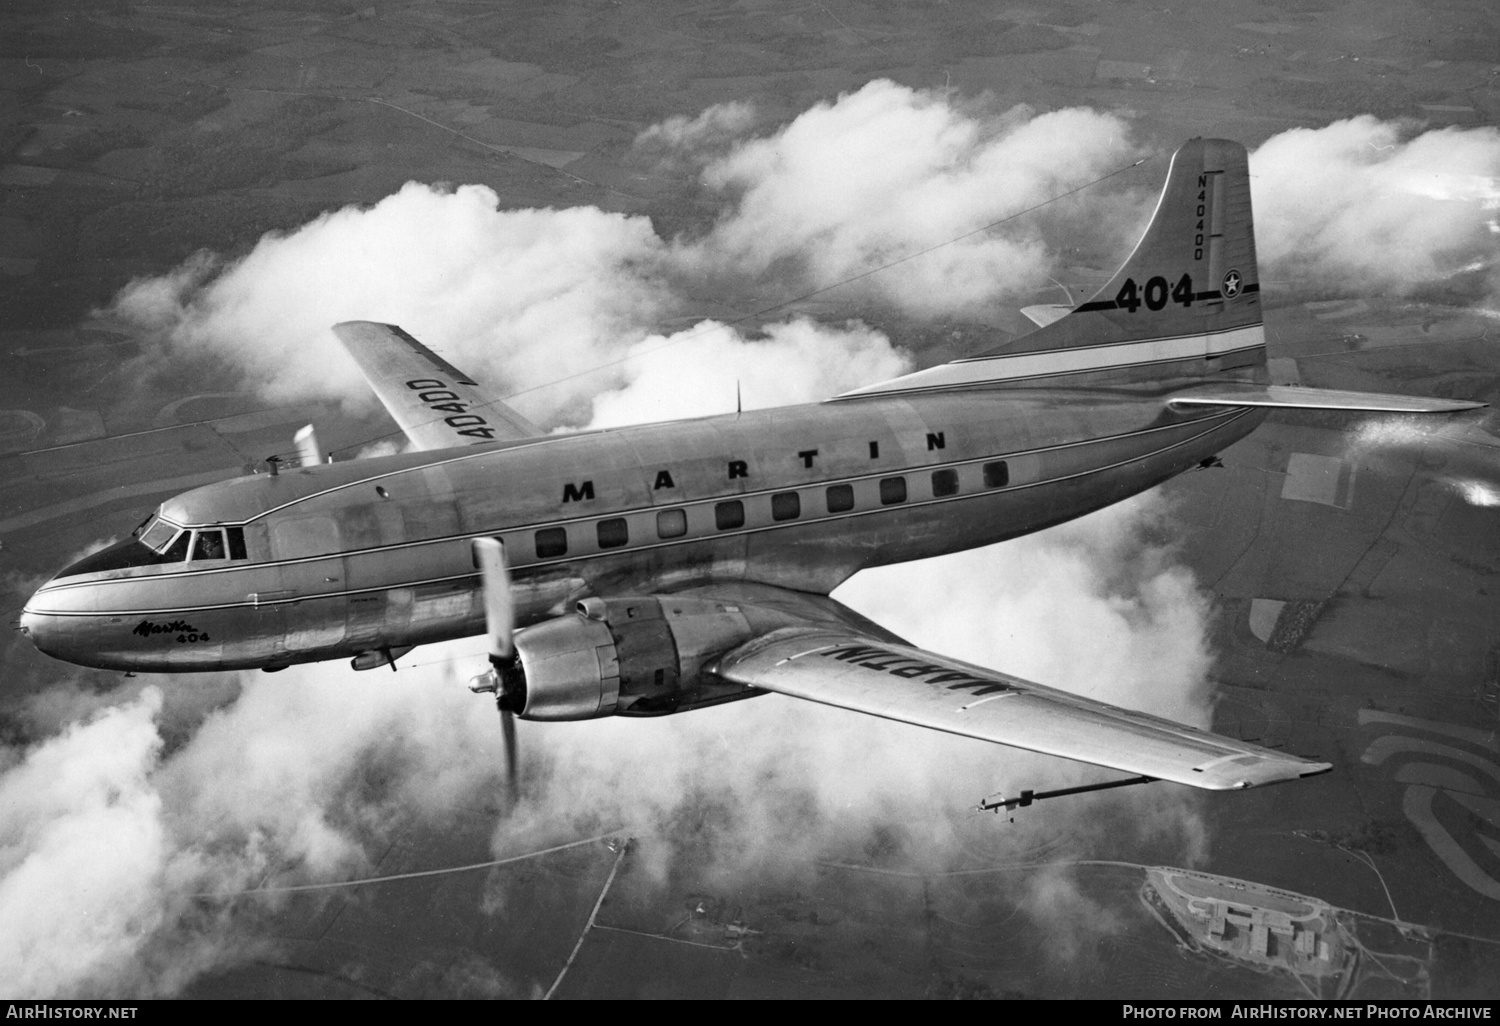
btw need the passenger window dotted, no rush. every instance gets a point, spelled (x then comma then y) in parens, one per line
(209, 545)
(840, 498)
(237, 543)
(892, 490)
(729, 515)
(785, 506)
(551, 542)
(671, 523)
(944, 482)
(613, 533)
(178, 550)
(996, 475)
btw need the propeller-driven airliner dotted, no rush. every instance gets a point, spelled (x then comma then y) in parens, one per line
(661, 568)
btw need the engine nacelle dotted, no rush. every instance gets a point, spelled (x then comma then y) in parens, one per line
(638, 656)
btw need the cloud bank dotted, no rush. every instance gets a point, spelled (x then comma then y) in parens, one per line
(1364, 206)
(528, 299)
(523, 298)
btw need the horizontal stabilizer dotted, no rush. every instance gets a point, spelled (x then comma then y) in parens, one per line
(435, 403)
(1045, 313)
(1295, 397)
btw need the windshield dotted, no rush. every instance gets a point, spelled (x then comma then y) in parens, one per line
(157, 533)
(158, 542)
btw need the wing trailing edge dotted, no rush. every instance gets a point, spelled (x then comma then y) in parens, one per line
(437, 405)
(1296, 397)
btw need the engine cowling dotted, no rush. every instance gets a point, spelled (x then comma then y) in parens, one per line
(635, 656)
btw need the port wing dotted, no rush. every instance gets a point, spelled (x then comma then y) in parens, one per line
(1295, 397)
(435, 403)
(850, 670)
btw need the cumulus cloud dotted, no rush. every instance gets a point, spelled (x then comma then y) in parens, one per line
(81, 852)
(109, 842)
(1099, 606)
(698, 372)
(685, 140)
(524, 299)
(1365, 205)
(887, 171)
(511, 295)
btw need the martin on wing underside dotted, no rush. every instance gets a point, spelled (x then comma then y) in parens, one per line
(899, 682)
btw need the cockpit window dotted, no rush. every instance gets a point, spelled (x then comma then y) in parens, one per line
(208, 545)
(130, 552)
(157, 535)
(157, 542)
(178, 550)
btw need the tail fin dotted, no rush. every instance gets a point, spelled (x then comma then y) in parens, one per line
(1183, 310)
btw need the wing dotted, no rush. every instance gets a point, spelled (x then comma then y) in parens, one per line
(435, 403)
(1295, 397)
(852, 670)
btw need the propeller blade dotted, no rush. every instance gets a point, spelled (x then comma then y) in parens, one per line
(508, 730)
(499, 620)
(499, 609)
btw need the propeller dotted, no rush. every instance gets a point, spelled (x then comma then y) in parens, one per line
(504, 679)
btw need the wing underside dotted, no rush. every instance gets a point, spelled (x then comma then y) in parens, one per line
(853, 671)
(437, 405)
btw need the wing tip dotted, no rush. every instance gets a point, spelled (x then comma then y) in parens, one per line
(345, 328)
(1263, 773)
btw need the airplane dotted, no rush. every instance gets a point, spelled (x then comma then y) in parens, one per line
(655, 569)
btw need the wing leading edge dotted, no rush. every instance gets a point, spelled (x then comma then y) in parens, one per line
(437, 405)
(853, 671)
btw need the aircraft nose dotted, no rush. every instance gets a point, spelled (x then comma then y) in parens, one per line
(34, 625)
(44, 622)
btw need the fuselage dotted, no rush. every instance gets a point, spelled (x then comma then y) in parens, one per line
(341, 559)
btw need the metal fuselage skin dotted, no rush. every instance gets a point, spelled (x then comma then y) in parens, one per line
(375, 554)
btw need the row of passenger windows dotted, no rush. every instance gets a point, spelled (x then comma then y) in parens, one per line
(552, 542)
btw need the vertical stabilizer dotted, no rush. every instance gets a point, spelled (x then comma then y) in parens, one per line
(1183, 309)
